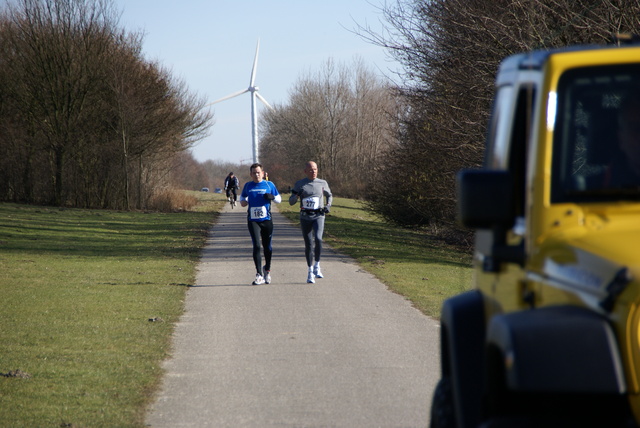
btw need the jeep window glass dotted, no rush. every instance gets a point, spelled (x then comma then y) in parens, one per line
(594, 154)
(498, 134)
(523, 118)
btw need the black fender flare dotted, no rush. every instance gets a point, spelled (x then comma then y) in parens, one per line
(462, 343)
(558, 349)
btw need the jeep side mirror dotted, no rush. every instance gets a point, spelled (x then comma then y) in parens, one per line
(485, 199)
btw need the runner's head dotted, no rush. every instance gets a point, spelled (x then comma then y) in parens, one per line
(256, 172)
(311, 169)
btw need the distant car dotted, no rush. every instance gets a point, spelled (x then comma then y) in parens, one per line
(204, 189)
(218, 190)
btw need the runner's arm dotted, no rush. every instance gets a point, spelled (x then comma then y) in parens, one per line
(327, 193)
(244, 196)
(272, 194)
(294, 194)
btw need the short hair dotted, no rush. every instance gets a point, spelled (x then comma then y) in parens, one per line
(255, 165)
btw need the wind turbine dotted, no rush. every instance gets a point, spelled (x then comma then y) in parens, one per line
(254, 108)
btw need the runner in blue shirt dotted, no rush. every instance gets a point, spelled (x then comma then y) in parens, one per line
(257, 195)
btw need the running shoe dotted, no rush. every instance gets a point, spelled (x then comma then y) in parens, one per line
(311, 278)
(317, 272)
(267, 276)
(259, 280)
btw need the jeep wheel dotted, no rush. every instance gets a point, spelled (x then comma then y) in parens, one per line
(511, 423)
(442, 411)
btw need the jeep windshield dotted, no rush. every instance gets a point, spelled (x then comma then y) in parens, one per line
(596, 152)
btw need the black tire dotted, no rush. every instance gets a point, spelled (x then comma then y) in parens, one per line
(442, 406)
(512, 423)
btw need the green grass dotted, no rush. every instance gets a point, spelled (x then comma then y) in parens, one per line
(409, 262)
(78, 290)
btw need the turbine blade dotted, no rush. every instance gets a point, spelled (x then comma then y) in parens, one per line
(261, 98)
(235, 94)
(255, 65)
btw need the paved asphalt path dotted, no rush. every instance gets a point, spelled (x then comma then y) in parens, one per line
(343, 352)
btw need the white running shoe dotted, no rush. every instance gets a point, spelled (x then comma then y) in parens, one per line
(267, 276)
(311, 278)
(259, 280)
(317, 272)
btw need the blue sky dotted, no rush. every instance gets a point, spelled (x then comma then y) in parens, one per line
(210, 44)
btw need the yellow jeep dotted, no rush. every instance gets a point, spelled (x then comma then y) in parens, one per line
(550, 334)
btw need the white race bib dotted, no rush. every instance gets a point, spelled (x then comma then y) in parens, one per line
(257, 213)
(311, 203)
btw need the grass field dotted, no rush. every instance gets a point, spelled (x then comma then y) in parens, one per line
(79, 288)
(409, 262)
(89, 300)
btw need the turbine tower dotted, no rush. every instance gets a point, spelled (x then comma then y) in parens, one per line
(254, 108)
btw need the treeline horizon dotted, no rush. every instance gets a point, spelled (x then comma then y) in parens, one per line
(400, 147)
(88, 122)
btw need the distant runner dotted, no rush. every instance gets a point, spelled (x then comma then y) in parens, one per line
(231, 185)
(311, 192)
(257, 195)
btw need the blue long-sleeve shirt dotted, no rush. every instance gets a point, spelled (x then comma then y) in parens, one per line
(259, 208)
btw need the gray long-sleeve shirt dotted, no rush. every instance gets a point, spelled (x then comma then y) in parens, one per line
(311, 194)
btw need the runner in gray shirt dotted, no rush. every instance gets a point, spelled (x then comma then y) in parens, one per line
(311, 192)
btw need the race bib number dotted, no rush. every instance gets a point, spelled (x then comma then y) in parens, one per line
(258, 213)
(311, 203)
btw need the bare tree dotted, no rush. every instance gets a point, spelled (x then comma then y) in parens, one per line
(57, 47)
(84, 113)
(341, 117)
(165, 119)
(450, 50)
(217, 171)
